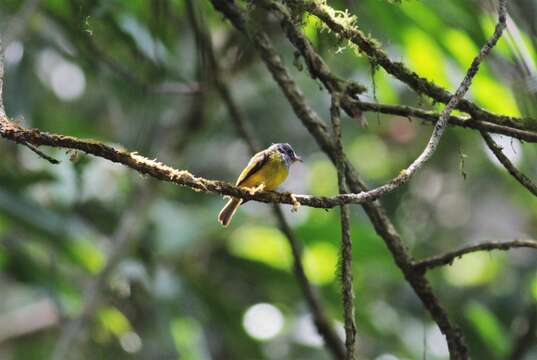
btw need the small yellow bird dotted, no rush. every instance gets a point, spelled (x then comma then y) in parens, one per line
(266, 171)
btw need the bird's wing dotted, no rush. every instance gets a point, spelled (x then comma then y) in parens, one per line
(256, 163)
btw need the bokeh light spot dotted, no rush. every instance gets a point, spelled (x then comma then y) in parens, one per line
(306, 333)
(14, 53)
(263, 321)
(68, 81)
(131, 342)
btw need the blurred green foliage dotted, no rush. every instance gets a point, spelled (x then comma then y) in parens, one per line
(123, 71)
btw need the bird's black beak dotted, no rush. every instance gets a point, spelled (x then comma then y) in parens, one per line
(298, 158)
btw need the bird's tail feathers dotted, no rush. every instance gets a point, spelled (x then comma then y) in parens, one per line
(225, 216)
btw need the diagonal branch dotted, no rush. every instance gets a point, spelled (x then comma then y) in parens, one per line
(509, 166)
(449, 257)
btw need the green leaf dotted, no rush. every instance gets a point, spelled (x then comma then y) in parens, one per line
(187, 335)
(461, 46)
(85, 253)
(494, 96)
(113, 320)
(263, 244)
(474, 269)
(320, 262)
(424, 56)
(488, 327)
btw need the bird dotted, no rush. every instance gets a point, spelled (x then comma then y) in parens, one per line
(266, 170)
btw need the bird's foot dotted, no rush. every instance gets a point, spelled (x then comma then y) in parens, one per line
(257, 189)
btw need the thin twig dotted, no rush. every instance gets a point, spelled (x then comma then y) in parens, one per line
(509, 166)
(449, 257)
(235, 113)
(346, 242)
(42, 154)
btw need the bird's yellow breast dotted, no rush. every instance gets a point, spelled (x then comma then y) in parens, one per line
(271, 174)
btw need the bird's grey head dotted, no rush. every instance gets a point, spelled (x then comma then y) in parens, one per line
(287, 152)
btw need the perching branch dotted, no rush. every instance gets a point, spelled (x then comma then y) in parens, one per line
(14, 132)
(509, 166)
(448, 258)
